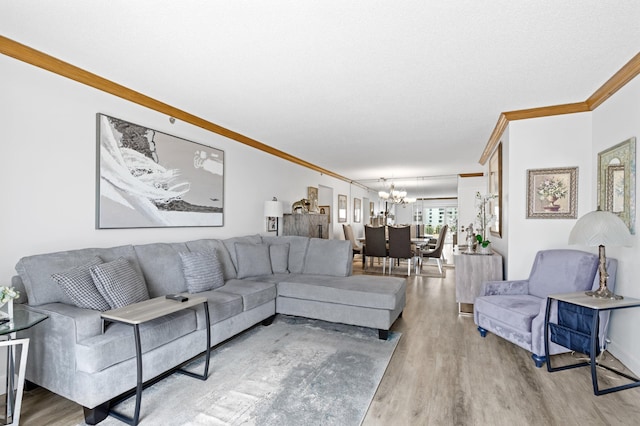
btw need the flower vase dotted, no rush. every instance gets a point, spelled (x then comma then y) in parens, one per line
(485, 250)
(8, 314)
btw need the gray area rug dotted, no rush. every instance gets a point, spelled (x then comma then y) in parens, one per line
(294, 372)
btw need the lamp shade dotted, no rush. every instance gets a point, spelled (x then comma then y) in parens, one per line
(273, 209)
(600, 228)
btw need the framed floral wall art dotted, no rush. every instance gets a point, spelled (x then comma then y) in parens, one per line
(552, 193)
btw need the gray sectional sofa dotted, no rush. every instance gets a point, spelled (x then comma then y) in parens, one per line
(260, 276)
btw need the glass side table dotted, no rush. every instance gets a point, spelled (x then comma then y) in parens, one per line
(22, 320)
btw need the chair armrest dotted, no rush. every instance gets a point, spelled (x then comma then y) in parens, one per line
(496, 288)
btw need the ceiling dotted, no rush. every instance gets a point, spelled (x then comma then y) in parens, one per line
(363, 88)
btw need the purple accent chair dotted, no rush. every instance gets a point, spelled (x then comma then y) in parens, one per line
(515, 310)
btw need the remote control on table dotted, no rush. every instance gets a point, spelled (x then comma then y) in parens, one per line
(178, 297)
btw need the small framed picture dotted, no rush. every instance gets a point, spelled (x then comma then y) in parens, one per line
(326, 210)
(272, 225)
(552, 193)
(342, 208)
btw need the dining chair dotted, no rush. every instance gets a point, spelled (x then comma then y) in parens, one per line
(400, 246)
(435, 253)
(375, 244)
(356, 247)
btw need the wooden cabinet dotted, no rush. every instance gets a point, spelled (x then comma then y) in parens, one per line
(306, 225)
(472, 270)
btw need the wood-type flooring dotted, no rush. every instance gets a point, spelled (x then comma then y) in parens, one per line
(444, 373)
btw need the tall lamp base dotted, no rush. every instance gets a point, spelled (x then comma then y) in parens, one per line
(604, 293)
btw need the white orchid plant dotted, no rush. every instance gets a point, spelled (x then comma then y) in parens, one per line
(8, 293)
(484, 217)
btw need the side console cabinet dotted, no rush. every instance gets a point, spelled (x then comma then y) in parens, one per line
(472, 270)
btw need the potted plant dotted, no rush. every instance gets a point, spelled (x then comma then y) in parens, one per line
(484, 219)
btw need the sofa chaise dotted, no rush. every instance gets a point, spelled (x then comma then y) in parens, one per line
(255, 278)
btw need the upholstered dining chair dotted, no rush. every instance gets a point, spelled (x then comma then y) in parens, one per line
(435, 253)
(375, 244)
(515, 310)
(400, 246)
(356, 247)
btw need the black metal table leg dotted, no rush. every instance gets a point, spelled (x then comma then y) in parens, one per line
(133, 421)
(205, 375)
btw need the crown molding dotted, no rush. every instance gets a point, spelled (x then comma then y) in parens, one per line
(627, 73)
(47, 62)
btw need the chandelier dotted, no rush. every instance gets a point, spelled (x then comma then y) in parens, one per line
(395, 196)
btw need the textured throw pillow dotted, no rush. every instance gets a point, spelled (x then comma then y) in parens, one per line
(202, 271)
(279, 254)
(119, 283)
(253, 260)
(79, 286)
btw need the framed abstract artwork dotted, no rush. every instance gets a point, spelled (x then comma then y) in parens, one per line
(552, 193)
(342, 208)
(617, 181)
(148, 179)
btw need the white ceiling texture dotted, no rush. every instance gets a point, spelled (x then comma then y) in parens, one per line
(363, 88)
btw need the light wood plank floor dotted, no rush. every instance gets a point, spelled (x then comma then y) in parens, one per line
(444, 373)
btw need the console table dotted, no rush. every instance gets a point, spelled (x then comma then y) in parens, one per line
(472, 270)
(597, 305)
(139, 313)
(306, 225)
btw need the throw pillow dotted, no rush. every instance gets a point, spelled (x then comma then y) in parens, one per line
(119, 283)
(79, 286)
(279, 254)
(202, 271)
(253, 260)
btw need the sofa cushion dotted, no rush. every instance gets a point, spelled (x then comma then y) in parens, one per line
(36, 270)
(222, 305)
(254, 293)
(328, 257)
(117, 343)
(516, 310)
(79, 286)
(162, 268)
(297, 250)
(119, 283)
(202, 271)
(222, 253)
(252, 260)
(279, 254)
(230, 244)
(357, 290)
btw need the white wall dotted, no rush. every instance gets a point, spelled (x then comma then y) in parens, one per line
(615, 121)
(48, 170)
(547, 142)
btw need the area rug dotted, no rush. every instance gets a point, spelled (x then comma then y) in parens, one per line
(294, 372)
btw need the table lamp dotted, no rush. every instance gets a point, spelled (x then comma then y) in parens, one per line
(598, 228)
(273, 208)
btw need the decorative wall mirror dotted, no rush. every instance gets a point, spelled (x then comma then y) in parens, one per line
(617, 181)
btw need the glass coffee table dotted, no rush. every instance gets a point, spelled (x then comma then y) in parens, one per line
(22, 320)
